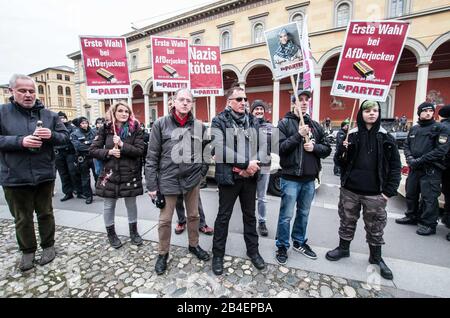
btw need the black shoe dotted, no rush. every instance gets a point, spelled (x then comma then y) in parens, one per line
(263, 229)
(81, 196)
(425, 230)
(136, 239)
(68, 196)
(161, 264)
(26, 262)
(48, 255)
(112, 237)
(281, 256)
(376, 259)
(305, 249)
(448, 237)
(406, 220)
(199, 252)
(217, 265)
(257, 261)
(89, 200)
(343, 250)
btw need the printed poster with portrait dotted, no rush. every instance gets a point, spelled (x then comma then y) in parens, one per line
(285, 50)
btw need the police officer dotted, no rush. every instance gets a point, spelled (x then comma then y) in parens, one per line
(444, 114)
(81, 139)
(65, 164)
(425, 148)
(340, 137)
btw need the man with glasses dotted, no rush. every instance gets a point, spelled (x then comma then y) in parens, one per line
(234, 133)
(301, 148)
(28, 167)
(172, 175)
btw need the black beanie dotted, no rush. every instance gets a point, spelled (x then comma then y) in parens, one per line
(62, 114)
(424, 106)
(445, 111)
(258, 103)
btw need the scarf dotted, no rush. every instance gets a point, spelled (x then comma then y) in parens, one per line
(287, 51)
(238, 120)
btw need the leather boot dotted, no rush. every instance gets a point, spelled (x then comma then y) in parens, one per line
(161, 264)
(375, 258)
(112, 237)
(136, 239)
(343, 250)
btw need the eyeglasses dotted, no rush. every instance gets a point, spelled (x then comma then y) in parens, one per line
(239, 99)
(182, 100)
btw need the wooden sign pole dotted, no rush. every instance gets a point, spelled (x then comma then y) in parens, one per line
(297, 103)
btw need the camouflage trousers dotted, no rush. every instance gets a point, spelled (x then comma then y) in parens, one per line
(374, 216)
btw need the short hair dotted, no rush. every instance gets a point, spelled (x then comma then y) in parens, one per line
(232, 89)
(183, 90)
(100, 119)
(15, 77)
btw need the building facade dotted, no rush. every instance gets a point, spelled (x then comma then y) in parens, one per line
(55, 89)
(238, 27)
(4, 94)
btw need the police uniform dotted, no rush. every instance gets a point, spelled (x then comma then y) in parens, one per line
(445, 114)
(425, 149)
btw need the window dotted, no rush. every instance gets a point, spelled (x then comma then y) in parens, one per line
(397, 8)
(225, 42)
(342, 14)
(197, 41)
(47, 76)
(134, 61)
(48, 89)
(37, 78)
(258, 33)
(298, 17)
(68, 91)
(67, 78)
(60, 90)
(61, 101)
(40, 89)
(69, 102)
(59, 76)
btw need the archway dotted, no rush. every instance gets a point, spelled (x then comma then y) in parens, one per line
(438, 89)
(259, 85)
(137, 102)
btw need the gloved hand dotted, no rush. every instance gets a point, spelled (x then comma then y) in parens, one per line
(408, 160)
(414, 163)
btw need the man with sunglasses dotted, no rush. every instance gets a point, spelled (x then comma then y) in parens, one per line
(234, 135)
(301, 148)
(370, 165)
(28, 169)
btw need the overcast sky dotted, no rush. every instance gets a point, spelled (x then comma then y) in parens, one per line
(36, 34)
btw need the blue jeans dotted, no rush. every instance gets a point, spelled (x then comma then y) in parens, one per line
(98, 166)
(293, 192)
(261, 189)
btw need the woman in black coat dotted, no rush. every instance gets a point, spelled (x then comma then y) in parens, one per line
(120, 145)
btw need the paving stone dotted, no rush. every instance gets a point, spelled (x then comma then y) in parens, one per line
(326, 292)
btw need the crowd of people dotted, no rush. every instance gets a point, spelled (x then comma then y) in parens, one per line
(34, 140)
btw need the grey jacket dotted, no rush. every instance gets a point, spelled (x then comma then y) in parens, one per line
(163, 169)
(19, 165)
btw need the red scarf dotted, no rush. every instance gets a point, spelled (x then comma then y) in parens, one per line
(181, 121)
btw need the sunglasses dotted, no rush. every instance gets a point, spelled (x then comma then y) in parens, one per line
(239, 99)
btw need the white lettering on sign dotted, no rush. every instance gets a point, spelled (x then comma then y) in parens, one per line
(202, 54)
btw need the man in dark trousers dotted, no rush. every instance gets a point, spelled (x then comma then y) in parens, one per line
(370, 164)
(65, 164)
(27, 163)
(444, 113)
(233, 133)
(425, 149)
(82, 139)
(342, 133)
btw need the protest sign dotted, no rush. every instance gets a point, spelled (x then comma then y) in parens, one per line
(105, 66)
(170, 63)
(205, 71)
(369, 59)
(285, 50)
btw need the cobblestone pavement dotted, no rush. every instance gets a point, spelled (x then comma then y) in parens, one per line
(86, 266)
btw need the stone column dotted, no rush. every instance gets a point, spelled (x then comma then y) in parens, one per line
(316, 97)
(276, 102)
(242, 84)
(212, 108)
(421, 87)
(147, 109)
(166, 102)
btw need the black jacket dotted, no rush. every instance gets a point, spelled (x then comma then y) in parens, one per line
(120, 177)
(68, 147)
(428, 142)
(340, 137)
(294, 160)
(20, 166)
(161, 171)
(388, 158)
(82, 140)
(223, 150)
(446, 124)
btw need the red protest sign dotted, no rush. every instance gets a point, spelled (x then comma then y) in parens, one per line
(170, 63)
(105, 66)
(206, 71)
(369, 59)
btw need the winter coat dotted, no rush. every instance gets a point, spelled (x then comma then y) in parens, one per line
(166, 169)
(82, 140)
(120, 177)
(19, 165)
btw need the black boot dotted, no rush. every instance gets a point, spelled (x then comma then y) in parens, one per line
(161, 264)
(136, 239)
(112, 237)
(343, 250)
(375, 258)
